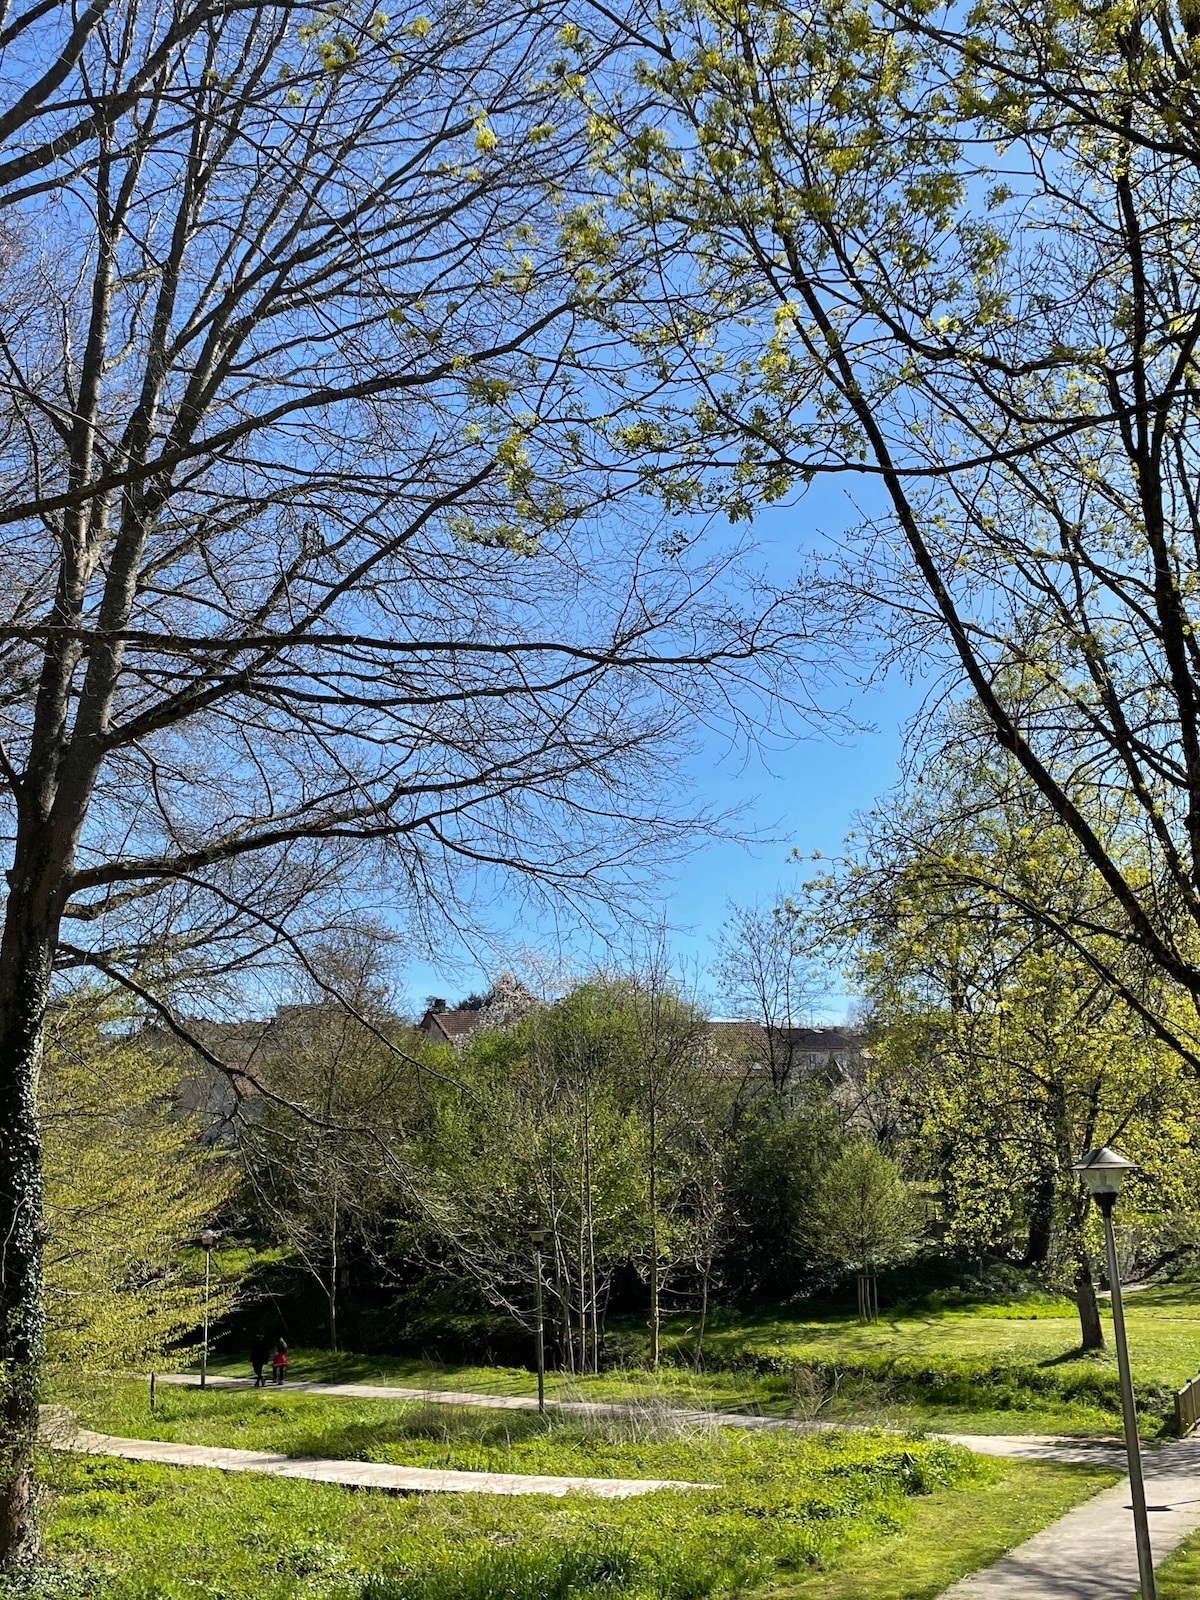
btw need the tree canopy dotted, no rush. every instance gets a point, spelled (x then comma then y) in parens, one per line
(950, 255)
(309, 591)
(1004, 1050)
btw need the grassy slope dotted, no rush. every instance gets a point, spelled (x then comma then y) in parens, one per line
(1163, 1324)
(1036, 1331)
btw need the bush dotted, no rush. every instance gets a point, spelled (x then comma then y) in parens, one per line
(556, 1572)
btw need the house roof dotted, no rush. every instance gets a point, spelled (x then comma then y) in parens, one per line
(831, 1038)
(453, 1025)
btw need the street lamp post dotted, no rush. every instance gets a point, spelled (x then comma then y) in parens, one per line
(208, 1238)
(1103, 1171)
(537, 1238)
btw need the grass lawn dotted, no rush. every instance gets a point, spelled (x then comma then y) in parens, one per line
(1163, 1323)
(949, 1534)
(1009, 1366)
(652, 1442)
(824, 1517)
(988, 1366)
(1179, 1576)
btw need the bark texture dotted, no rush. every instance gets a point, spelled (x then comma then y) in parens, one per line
(1090, 1327)
(24, 976)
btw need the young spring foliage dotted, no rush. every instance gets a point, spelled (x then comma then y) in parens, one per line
(950, 256)
(129, 1185)
(1007, 1050)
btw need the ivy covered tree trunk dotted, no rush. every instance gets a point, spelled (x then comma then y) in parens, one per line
(24, 980)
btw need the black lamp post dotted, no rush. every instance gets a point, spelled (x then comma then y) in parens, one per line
(208, 1238)
(537, 1238)
(1103, 1171)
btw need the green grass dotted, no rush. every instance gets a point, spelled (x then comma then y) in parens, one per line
(1163, 1324)
(732, 1389)
(1008, 1365)
(649, 1442)
(1179, 1576)
(827, 1518)
(948, 1535)
(1003, 1365)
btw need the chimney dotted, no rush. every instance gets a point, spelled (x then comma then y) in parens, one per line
(436, 1004)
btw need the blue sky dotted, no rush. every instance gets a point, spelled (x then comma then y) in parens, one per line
(803, 795)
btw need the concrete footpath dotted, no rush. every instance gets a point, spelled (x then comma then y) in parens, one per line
(1030, 1447)
(354, 1474)
(1090, 1554)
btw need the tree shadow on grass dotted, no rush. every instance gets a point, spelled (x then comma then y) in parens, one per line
(1079, 1354)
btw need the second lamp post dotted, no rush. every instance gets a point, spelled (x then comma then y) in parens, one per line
(208, 1238)
(1103, 1171)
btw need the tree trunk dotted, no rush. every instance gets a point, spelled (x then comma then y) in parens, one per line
(583, 1335)
(703, 1316)
(1090, 1326)
(653, 1198)
(1041, 1219)
(591, 1327)
(24, 985)
(562, 1288)
(333, 1279)
(655, 1317)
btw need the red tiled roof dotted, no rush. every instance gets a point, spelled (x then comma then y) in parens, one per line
(453, 1024)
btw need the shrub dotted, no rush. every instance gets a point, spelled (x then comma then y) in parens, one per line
(554, 1572)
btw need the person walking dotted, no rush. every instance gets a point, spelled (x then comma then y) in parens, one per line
(279, 1361)
(260, 1354)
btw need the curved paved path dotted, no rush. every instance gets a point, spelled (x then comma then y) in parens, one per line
(356, 1474)
(1088, 1554)
(1032, 1447)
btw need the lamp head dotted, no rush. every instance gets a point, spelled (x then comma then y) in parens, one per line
(1103, 1171)
(538, 1233)
(209, 1237)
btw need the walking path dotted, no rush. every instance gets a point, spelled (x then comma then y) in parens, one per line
(1032, 1447)
(356, 1474)
(445, 1397)
(1089, 1554)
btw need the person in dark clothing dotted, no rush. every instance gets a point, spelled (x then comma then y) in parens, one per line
(260, 1354)
(279, 1361)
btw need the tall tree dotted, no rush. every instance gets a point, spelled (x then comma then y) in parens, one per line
(684, 1110)
(777, 1153)
(301, 581)
(1007, 1053)
(950, 254)
(767, 977)
(322, 1160)
(863, 1215)
(541, 1130)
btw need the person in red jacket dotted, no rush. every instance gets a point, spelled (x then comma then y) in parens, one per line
(279, 1361)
